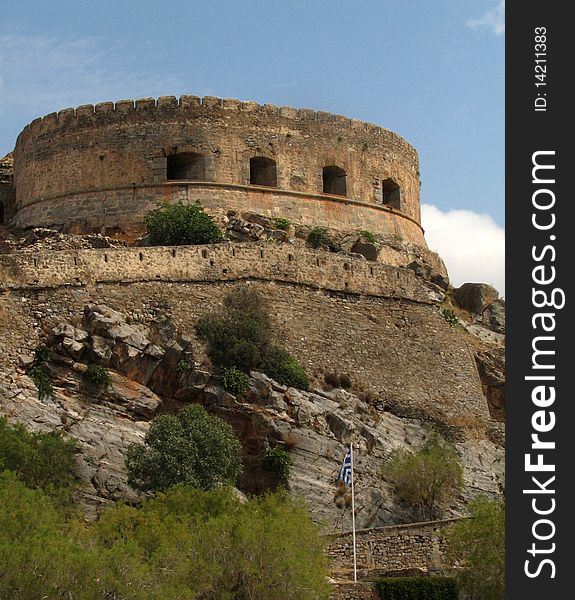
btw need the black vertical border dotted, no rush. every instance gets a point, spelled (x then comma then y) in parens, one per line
(526, 132)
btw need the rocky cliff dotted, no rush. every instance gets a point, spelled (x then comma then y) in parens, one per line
(156, 365)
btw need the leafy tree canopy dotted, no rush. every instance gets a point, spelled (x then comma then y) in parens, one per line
(191, 447)
(40, 460)
(476, 548)
(185, 543)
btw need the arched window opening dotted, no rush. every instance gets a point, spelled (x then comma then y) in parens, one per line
(186, 165)
(391, 194)
(334, 181)
(263, 171)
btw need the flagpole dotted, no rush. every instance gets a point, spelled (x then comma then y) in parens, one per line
(353, 516)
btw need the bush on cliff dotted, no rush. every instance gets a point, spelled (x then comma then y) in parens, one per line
(240, 337)
(476, 547)
(181, 224)
(428, 478)
(40, 460)
(192, 447)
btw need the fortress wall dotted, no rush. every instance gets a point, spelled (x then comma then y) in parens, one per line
(216, 262)
(113, 145)
(112, 209)
(393, 342)
(384, 550)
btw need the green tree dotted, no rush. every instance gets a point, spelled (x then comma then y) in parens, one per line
(428, 478)
(181, 224)
(476, 549)
(191, 447)
(40, 460)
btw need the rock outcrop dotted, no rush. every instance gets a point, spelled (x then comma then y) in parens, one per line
(152, 369)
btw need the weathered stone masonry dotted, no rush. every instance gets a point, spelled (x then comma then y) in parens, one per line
(105, 166)
(379, 323)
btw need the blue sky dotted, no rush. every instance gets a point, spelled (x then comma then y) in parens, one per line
(430, 70)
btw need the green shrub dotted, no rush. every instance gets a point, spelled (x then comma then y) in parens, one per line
(42, 354)
(185, 543)
(235, 381)
(428, 478)
(240, 337)
(40, 460)
(281, 223)
(449, 316)
(191, 447)
(417, 588)
(180, 224)
(369, 236)
(477, 547)
(318, 236)
(237, 335)
(277, 461)
(98, 375)
(285, 369)
(42, 382)
(183, 365)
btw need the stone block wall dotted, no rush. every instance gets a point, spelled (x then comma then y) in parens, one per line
(335, 313)
(109, 162)
(394, 549)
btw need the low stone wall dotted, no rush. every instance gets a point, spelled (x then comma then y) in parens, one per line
(362, 590)
(388, 550)
(213, 263)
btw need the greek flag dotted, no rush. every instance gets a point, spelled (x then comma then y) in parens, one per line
(345, 470)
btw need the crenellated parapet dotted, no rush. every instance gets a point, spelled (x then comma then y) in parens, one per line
(105, 165)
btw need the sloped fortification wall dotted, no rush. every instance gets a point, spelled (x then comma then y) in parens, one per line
(106, 165)
(375, 322)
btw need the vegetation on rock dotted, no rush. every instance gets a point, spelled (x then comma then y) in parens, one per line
(98, 375)
(240, 337)
(235, 381)
(38, 375)
(449, 316)
(282, 223)
(42, 382)
(191, 447)
(181, 224)
(277, 461)
(43, 461)
(318, 236)
(428, 478)
(369, 236)
(476, 548)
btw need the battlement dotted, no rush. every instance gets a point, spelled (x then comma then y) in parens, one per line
(204, 105)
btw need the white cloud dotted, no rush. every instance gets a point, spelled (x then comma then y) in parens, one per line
(40, 74)
(493, 19)
(471, 244)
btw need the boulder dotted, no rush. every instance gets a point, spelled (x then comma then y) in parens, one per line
(475, 297)
(494, 316)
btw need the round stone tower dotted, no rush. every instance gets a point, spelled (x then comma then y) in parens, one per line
(104, 167)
